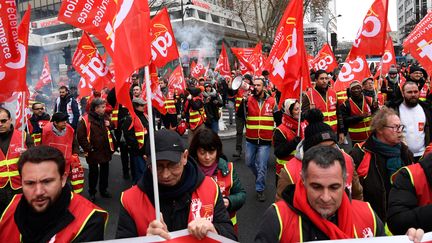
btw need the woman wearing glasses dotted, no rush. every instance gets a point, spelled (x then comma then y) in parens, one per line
(379, 157)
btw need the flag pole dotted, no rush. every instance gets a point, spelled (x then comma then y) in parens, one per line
(152, 142)
(24, 120)
(379, 77)
(300, 101)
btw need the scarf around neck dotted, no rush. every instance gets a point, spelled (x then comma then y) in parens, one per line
(392, 154)
(345, 227)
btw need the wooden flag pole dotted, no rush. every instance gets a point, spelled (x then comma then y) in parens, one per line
(24, 120)
(152, 141)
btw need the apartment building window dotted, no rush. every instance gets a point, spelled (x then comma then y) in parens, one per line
(202, 15)
(215, 18)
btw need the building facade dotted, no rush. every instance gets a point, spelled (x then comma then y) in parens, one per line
(409, 13)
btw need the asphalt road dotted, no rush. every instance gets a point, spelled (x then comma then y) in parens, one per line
(248, 217)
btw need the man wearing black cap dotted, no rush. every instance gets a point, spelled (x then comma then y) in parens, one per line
(59, 134)
(188, 199)
(37, 121)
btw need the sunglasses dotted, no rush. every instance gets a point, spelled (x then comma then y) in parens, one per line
(3, 121)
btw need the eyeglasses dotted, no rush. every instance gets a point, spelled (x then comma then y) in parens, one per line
(172, 167)
(396, 128)
(3, 121)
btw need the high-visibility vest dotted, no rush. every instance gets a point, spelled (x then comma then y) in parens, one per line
(294, 166)
(341, 96)
(196, 118)
(114, 115)
(288, 134)
(62, 143)
(225, 184)
(141, 210)
(170, 105)
(238, 99)
(259, 120)
(140, 131)
(420, 183)
(360, 131)
(291, 228)
(81, 209)
(327, 107)
(424, 92)
(37, 136)
(9, 162)
(88, 128)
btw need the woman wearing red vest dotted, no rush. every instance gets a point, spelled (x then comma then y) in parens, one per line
(206, 149)
(285, 139)
(410, 198)
(95, 138)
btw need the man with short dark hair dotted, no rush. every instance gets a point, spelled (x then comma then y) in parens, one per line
(67, 104)
(188, 199)
(37, 121)
(48, 211)
(11, 147)
(317, 207)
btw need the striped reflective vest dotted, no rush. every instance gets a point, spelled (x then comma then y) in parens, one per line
(62, 143)
(341, 96)
(9, 162)
(420, 184)
(140, 131)
(81, 209)
(225, 184)
(424, 92)
(238, 99)
(259, 120)
(170, 105)
(114, 116)
(141, 210)
(88, 128)
(288, 134)
(291, 223)
(196, 117)
(37, 136)
(360, 131)
(327, 107)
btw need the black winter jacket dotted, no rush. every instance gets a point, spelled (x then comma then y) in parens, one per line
(403, 209)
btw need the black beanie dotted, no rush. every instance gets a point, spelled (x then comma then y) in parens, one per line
(317, 131)
(415, 68)
(59, 117)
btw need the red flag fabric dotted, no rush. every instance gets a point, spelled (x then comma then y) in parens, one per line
(287, 62)
(20, 117)
(418, 43)
(310, 60)
(158, 100)
(84, 88)
(325, 59)
(123, 27)
(13, 66)
(90, 65)
(257, 59)
(176, 81)
(45, 77)
(164, 47)
(197, 70)
(242, 55)
(250, 58)
(389, 57)
(371, 37)
(223, 65)
(353, 69)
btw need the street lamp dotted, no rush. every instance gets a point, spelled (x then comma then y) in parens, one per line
(187, 9)
(334, 17)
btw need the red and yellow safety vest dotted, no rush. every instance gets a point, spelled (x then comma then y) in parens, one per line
(36, 136)
(259, 120)
(424, 92)
(88, 128)
(170, 105)
(288, 134)
(359, 132)
(341, 96)
(142, 211)
(81, 209)
(225, 184)
(140, 131)
(420, 183)
(114, 116)
(62, 143)
(327, 107)
(9, 162)
(238, 99)
(291, 228)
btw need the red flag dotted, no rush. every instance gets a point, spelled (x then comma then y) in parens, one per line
(90, 65)
(353, 69)
(13, 66)
(389, 57)
(20, 117)
(325, 59)
(418, 43)
(257, 59)
(197, 70)
(310, 60)
(223, 65)
(164, 47)
(371, 37)
(158, 100)
(45, 77)
(123, 27)
(243, 55)
(84, 88)
(287, 61)
(9, 28)
(176, 81)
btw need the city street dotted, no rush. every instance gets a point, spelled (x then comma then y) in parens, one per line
(248, 217)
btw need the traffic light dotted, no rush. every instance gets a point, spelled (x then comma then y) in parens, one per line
(67, 55)
(333, 40)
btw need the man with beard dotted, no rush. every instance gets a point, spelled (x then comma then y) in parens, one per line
(416, 116)
(67, 104)
(37, 121)
(47, 210)
(259, 133)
